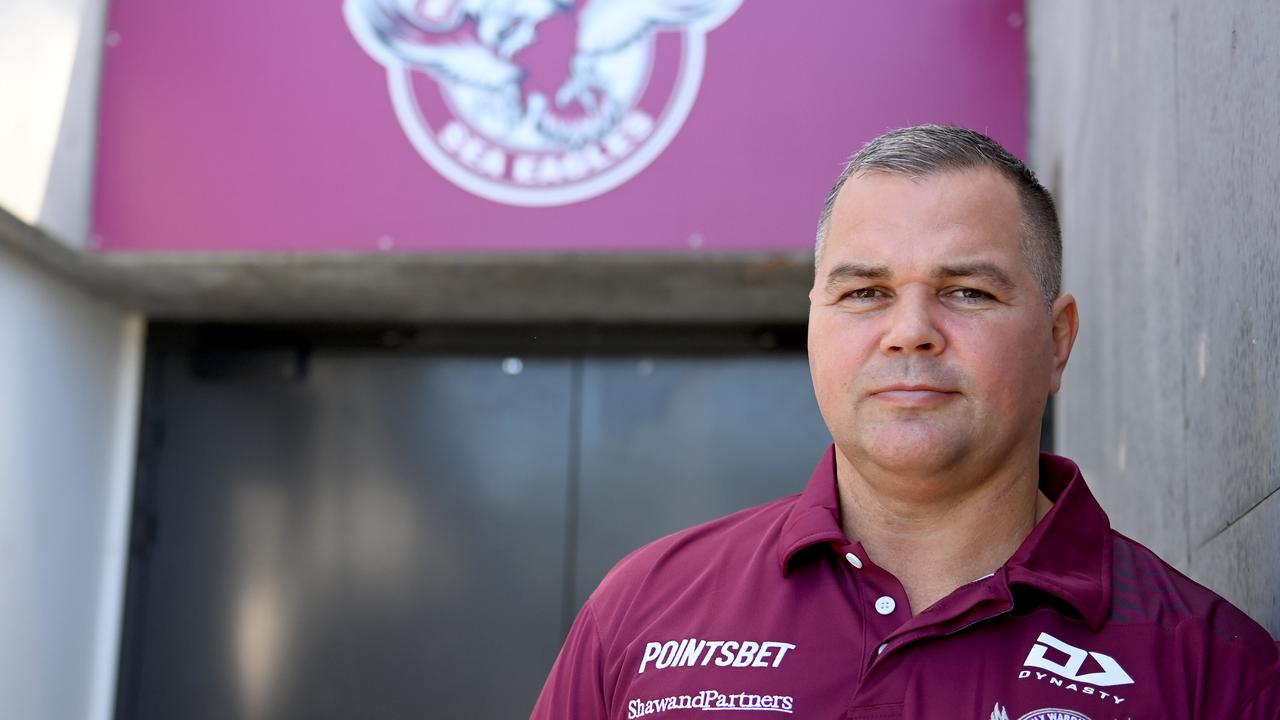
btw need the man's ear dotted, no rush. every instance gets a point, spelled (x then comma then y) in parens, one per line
(1066, 323)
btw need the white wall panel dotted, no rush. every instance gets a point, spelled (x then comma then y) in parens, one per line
(69, 380)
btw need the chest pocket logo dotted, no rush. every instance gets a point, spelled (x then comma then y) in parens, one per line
(1043, 714)
(1110, 674)
(726, 653)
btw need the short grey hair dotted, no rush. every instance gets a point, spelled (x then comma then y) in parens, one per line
(925, 150)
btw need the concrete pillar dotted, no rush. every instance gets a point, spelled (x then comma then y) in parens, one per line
(1157, 126)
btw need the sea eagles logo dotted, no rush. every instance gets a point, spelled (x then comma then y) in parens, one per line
(539, 102)
(1042, 714)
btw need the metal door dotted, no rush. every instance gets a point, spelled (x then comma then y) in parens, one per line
(361, 531)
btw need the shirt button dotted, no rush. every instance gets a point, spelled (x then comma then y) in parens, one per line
(885, 605)
(854, 560)
(880, 649)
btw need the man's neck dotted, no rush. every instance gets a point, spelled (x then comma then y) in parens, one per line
(938, 533)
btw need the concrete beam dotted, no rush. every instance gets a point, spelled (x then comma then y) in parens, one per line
(349, 287)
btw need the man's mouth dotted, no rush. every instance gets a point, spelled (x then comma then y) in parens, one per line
(913, 395)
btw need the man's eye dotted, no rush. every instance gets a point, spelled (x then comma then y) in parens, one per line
(969, 294)
(865, 294)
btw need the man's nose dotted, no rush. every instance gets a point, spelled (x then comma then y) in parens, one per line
(911, 325)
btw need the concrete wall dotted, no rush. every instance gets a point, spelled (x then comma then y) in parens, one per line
(70, 366)
(1157, 124)
(50, 62)
(69, 377)
(69, 374)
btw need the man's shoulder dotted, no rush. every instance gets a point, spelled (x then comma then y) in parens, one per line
(1147, 590)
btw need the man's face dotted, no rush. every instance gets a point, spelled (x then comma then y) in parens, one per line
(929, 341)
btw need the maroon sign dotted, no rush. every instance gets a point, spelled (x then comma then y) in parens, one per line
(522, 125)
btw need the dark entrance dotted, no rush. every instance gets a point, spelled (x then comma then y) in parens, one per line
(401, 522)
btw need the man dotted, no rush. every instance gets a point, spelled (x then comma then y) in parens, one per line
(936, 565)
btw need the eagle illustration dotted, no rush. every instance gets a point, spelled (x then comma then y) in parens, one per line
(470, 46)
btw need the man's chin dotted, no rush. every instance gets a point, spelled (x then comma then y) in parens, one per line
(916, 453)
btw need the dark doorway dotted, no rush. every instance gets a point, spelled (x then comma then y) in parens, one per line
(401, 522)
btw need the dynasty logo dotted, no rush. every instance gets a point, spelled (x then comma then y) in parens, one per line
(1068, 675)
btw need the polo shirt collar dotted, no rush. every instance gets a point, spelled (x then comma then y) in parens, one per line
(1067, 554)
(815, 516)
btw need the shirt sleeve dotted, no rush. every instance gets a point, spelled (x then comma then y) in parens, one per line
(575, 688)
(1234, 668)
(1266, 704)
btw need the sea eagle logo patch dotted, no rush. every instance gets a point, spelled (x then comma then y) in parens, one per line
(1001, 713)
(539, 102)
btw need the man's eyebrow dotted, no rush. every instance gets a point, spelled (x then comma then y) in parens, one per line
(987, 270)
(845, 271)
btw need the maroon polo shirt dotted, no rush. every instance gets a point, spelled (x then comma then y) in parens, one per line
(771, 611)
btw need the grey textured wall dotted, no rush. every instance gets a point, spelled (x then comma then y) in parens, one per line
(1157, 125)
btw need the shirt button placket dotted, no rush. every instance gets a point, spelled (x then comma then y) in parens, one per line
(885, 605)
